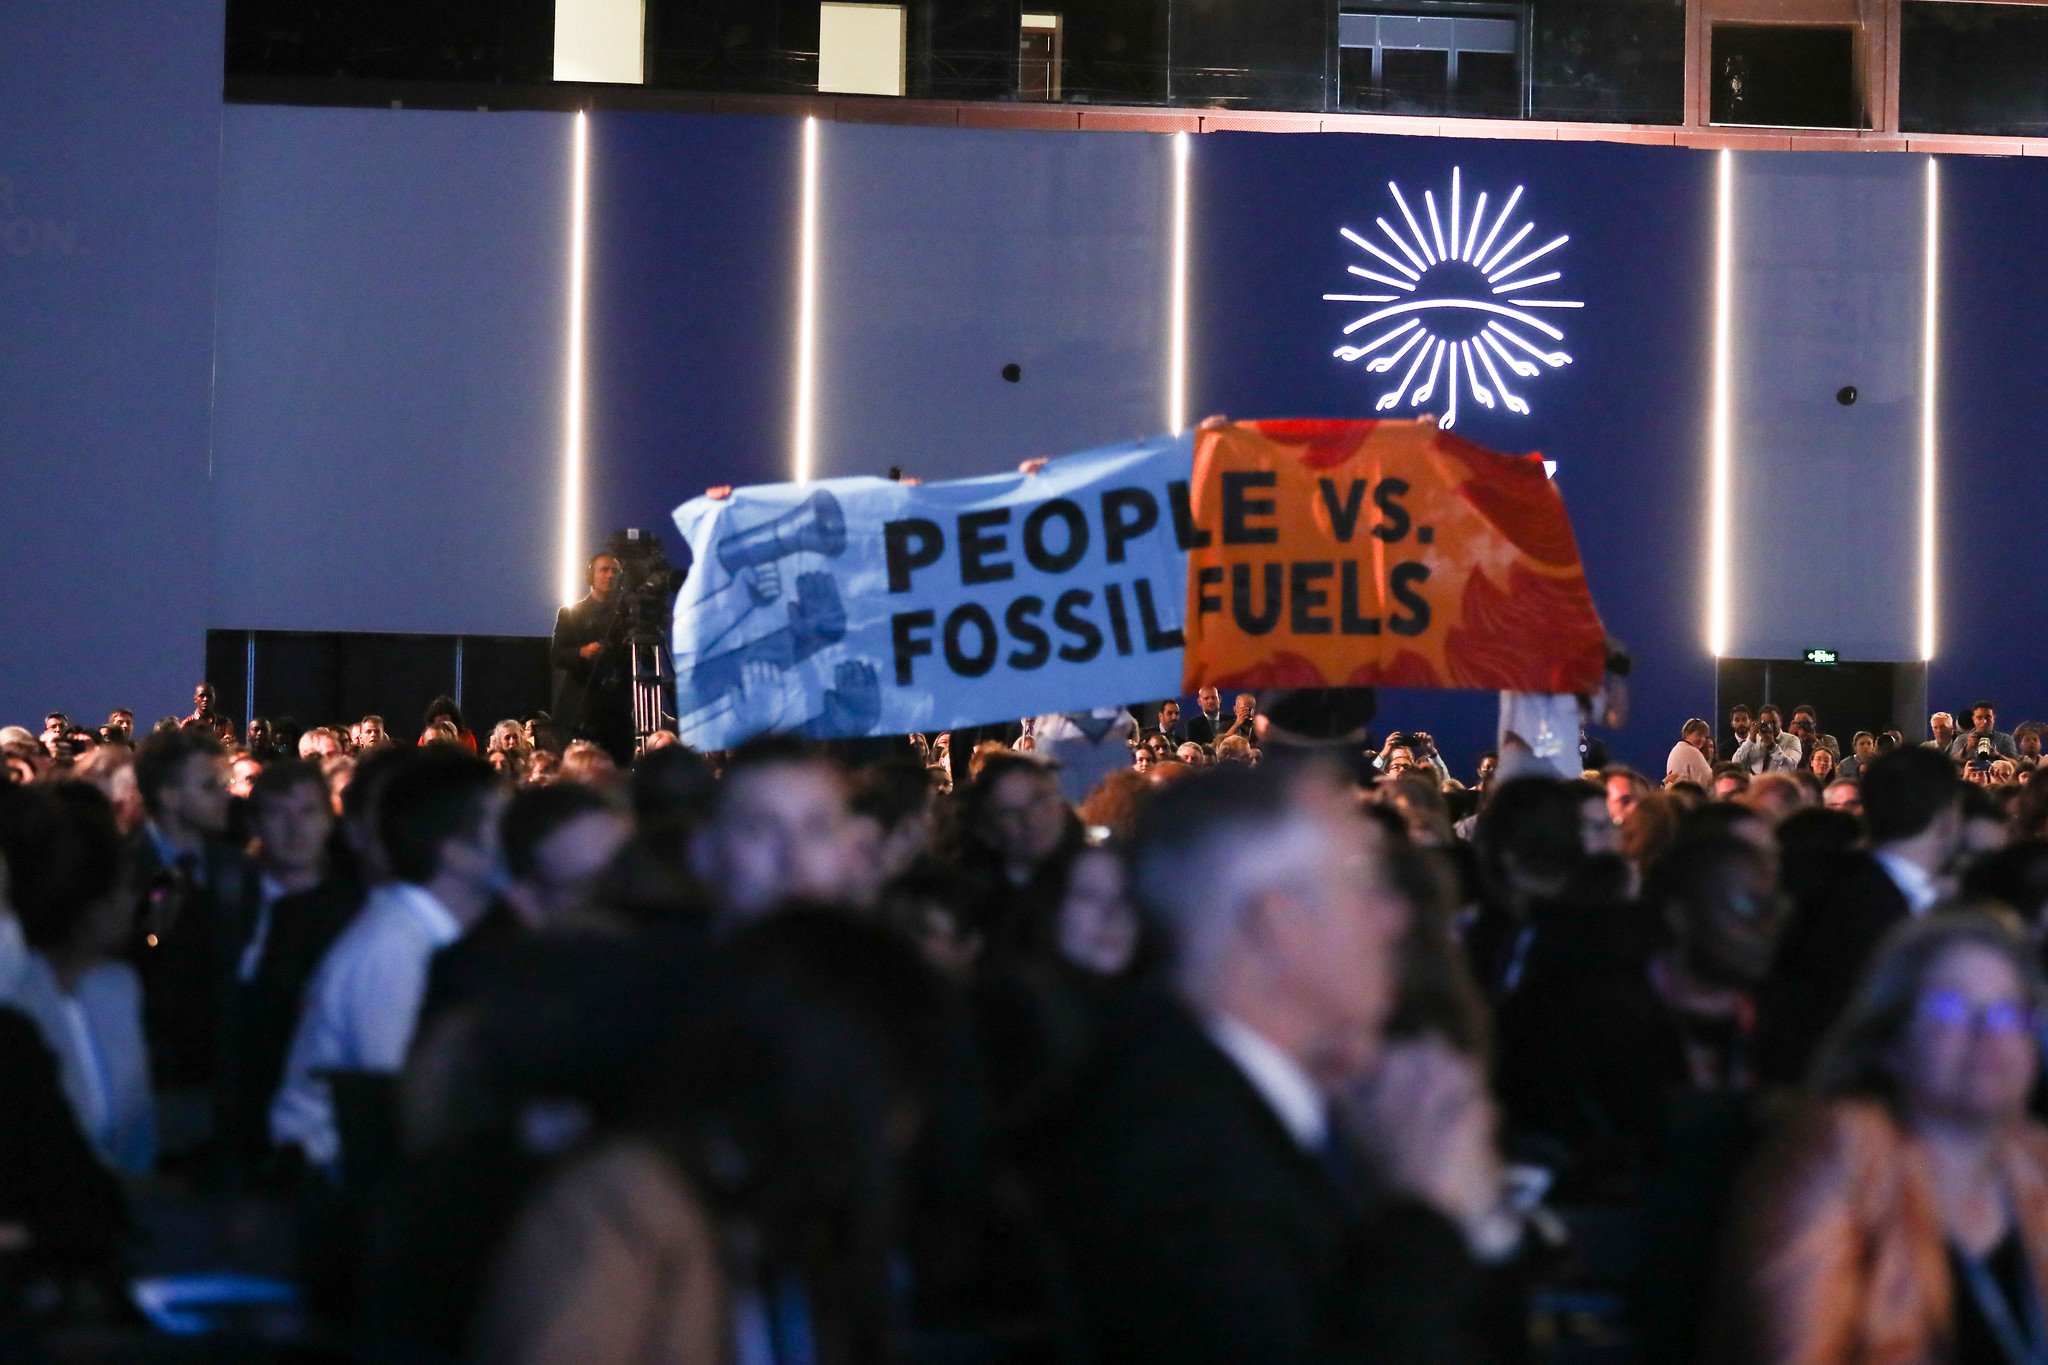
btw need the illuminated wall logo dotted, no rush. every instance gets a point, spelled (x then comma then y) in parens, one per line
(1459, 309)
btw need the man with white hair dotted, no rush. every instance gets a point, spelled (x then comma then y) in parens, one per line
(1211, 1188)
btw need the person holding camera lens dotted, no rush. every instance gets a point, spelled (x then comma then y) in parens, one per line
(592, 694)
(1983, 739)
(1769, 749)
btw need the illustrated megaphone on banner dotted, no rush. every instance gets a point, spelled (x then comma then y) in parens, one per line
(817, 526)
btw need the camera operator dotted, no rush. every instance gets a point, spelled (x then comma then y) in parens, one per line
(592, 695)
(1769, 749)
(1983, 732)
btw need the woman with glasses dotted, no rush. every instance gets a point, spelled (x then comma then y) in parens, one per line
(1902, 1215)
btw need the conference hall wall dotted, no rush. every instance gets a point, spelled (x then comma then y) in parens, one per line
(980, 297)
(109, 147)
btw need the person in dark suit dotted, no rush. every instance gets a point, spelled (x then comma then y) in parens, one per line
(1170, 723)
(1912, 802)
(1210, 1186)
(1206, 724)
(591, 687)
(199, 896)
(558, 841)
(303, 926)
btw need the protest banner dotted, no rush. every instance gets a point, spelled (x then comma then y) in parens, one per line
(1360, 554)
(860, 606)
(1246, 555)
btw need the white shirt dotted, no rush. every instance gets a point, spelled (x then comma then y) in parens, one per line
(96, 1037)
(360, 1010)
(1781, 757)
(1688, 764)
(1914, 882)
(103, 1043)
(1278, 1078)
(27, 984)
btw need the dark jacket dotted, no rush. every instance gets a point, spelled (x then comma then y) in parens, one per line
(1586, 1051)
(591, 699)
(1197, 1229)
(464, 971)
(51, 1182)
(190, 928)
(1849, 903)
(303, 926)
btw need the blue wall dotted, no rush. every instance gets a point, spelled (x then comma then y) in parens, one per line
(1625, 420)
(391, 343)
(692, 311)
(1991, 570)
(1830, 268)
(109, 146)
(942, 260)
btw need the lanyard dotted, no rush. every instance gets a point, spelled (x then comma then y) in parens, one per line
(2031, 1349)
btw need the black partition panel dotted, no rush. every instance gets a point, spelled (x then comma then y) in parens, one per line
(334, 678)
(227, 668)
(503, 676)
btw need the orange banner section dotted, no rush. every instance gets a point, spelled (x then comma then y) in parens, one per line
(1357, 554)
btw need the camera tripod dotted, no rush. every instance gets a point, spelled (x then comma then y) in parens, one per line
(652, 678)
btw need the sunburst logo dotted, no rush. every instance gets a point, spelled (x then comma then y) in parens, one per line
(1462, 317)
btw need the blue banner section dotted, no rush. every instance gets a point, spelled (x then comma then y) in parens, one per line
(860, 606)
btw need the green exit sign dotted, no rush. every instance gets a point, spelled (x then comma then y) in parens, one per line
(1823, 656)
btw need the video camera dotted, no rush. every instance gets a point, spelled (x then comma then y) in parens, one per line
(647, 587)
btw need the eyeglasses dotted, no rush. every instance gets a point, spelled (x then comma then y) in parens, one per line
(2001, 1018)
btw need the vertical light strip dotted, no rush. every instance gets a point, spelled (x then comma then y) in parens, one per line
(572, 396)
(1177, 344)
(800, 459)
(1928, 338)
(1719, 530)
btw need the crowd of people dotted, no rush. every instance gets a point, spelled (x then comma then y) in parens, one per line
(1129, 1035)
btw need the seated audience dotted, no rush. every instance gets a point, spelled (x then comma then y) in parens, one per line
(438, 824)
(1181, 1042)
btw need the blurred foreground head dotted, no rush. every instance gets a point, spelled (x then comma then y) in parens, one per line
(1273, 898)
